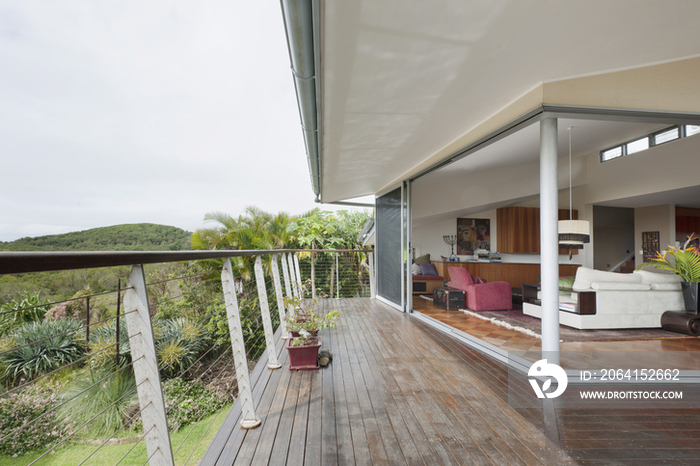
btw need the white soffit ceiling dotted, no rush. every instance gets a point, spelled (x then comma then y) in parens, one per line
(402, 79)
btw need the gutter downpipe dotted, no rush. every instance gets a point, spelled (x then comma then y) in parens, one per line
(299, 26)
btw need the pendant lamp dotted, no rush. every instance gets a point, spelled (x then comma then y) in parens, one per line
(573, 233)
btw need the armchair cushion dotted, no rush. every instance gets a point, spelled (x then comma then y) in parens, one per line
(460, 278)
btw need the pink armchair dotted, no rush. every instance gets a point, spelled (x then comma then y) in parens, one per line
(494, 296)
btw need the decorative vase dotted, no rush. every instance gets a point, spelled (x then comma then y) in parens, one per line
(303, 358)
(690, 296)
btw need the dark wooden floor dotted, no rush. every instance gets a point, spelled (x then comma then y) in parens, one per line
(399, 392)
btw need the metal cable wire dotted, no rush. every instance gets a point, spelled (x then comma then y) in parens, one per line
(87, 356)
(62, 334)
(52, 304)
(86, 423)
(198, 378)
(201, 438)
(196, 423)
(54, 408)
(135, 444)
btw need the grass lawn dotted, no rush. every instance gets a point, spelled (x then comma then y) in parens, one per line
(190, 443)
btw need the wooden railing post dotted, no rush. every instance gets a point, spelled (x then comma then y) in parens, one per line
(292, 276)
(279, 295)
(145, 364)
(285, 272)
(249, 420)
(265, 311)
(372, 289)
(299, 285)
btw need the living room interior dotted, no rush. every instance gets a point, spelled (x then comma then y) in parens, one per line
(623, 198)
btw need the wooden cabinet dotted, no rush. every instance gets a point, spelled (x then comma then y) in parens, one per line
(514, 273)
(519, 229)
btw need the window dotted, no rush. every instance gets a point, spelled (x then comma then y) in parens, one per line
(691, 129)
(665, 136)
(611, 154)
(638, 145)
(653, 139)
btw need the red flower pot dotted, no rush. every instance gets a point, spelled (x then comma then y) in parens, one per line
(303, 358)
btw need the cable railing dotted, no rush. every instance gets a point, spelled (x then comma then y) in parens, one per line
(146, 372)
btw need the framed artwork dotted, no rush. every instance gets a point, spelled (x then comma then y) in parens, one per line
(473, 234)
(650, 245)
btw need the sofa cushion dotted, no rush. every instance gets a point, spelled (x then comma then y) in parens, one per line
(428, 269)
(620, 286)
(665, 286)
(566, 283)
(422, 259)
(415, 269)
(654, 277)
(430, 278)
(460, 278)
(586, 276)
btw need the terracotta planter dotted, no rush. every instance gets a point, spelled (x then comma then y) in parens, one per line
(303, 358)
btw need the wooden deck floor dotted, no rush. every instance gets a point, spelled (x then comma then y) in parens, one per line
(397, 392)
(400, 392)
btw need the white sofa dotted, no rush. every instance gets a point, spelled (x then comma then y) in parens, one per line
(634, 300)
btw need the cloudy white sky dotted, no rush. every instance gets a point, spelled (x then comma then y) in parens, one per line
(156, 111)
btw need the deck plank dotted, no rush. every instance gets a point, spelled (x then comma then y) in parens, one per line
(400, 392)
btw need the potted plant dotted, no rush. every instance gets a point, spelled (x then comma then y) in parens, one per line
(304, 325)
(303, 351)
(685, 263)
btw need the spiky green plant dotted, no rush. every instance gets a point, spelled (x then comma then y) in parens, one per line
(91, 395)
(27, 308)
(103, 345)
(179, 342)
(686, 261)
(39, 347)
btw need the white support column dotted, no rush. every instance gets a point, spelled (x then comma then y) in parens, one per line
(300, 287)
(549, 239)
(265, 311)
(285, 272)
(292, 276)
(145, 363)
(278, 294)
(249, 420)
(372, 289)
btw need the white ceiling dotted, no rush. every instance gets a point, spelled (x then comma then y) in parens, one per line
(587, 136)
(401, 80)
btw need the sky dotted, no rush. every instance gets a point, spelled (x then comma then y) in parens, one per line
(157, 112)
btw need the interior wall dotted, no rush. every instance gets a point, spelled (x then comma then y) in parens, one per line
(644, 173)
(427, 239)
(661, 218)
(613, 233)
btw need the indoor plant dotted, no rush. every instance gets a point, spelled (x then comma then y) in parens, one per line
(685, 263)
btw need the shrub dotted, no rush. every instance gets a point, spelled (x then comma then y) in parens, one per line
(179, 342)
(18, 409)
(103, 345)
(29, 308)
(39, 347)
(187, 402)
(115, 394)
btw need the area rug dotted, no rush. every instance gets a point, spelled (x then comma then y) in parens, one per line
(516, 320)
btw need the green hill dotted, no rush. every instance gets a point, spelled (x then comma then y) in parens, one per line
(128, 237)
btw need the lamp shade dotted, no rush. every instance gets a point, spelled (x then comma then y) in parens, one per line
(573, 234)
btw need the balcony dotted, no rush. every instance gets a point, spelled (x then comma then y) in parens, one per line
(398, 391)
